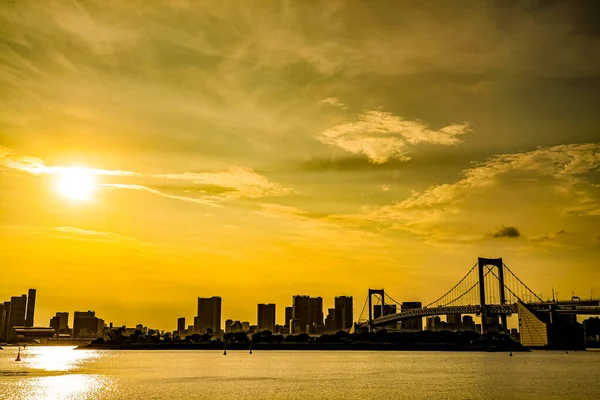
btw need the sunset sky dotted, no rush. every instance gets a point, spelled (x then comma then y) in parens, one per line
(257, 150)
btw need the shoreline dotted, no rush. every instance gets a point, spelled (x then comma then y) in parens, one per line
(301, 347)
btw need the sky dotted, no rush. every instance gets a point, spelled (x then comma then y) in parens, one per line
(261, 149)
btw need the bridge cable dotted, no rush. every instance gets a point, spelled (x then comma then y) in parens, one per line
(521, 282)
(448, 292)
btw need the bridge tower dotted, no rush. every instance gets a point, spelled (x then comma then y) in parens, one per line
(372, 292)
(482, 264)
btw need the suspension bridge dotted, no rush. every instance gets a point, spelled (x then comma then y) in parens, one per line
(490, 290)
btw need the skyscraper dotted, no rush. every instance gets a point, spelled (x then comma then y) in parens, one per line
(343, 312)
(454, 322)
(4, 310)
(16, 313)
(30, 307)
(180, 325)
(300, 306)
(315, 311)
(266, 317)
(209, 314)
(289, 314)
(330, 324)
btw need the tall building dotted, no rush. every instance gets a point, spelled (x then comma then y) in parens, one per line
(330, 323)
(228, 324)
(412, 324)
(4, 310)
(60, 322)
(85, 324)
(468, 324)
(180, 325)
(30, 307)
(289, 314)
(300, 313)
(343, 312)
(454, 322)
(16, 313)
(266, 317)
(245, 326)
(209, 315)
(315, 311)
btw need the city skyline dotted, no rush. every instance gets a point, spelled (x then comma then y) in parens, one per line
(257, 152)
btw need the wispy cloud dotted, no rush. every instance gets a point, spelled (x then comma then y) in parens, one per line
(382, 136)
(335, 102)
(234, 183)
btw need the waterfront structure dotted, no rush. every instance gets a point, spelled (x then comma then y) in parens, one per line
(343, 310)
(228, 324)
(301, 306)
(266, 317)
(209, 315)
(86, 324)
(60, 323)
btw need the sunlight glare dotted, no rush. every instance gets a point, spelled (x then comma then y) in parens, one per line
(76, 183)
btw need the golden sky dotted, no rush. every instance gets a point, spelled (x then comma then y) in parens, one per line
(153, 152)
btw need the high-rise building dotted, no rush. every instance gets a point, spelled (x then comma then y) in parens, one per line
(468, 324)
(343, 312)
(330, 323)
(30, 307)
(180, 325)
(300, 312)
(387, 310)
(289, 314)
(85, 324)
(315, 311)
(266, 317)
(412, 324)
(228, 324)
(60, 322)
(454, 322)
(209, 315)
(4, 310)
(245, 326)
(16, 313)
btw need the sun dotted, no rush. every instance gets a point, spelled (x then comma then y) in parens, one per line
(76, 183)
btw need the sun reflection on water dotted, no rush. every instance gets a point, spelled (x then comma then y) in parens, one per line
(53, 372)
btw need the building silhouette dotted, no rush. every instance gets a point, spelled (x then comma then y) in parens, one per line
(181, 325)
(289, 314)
(60, 323)
(266, 317)
(343, 312)
(86, 324)
(209, 315)
(412, 324)
(330, 323)
(454, 322)
(30, 307)
(468, 324)
(300, 313)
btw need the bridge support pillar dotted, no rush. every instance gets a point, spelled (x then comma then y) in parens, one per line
(482, 264)
(372, 292)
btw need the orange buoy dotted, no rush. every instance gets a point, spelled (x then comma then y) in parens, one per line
(18, 355)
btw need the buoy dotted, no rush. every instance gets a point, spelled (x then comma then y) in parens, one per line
(18, 355)
(510, 354)
(250, 351)
(225, 352)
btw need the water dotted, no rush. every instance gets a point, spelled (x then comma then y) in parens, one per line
(63, 373)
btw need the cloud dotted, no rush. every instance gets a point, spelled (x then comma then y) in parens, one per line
(566, 163)
(382, 136)
(506, 231)
(210, 188)
(332, 101)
